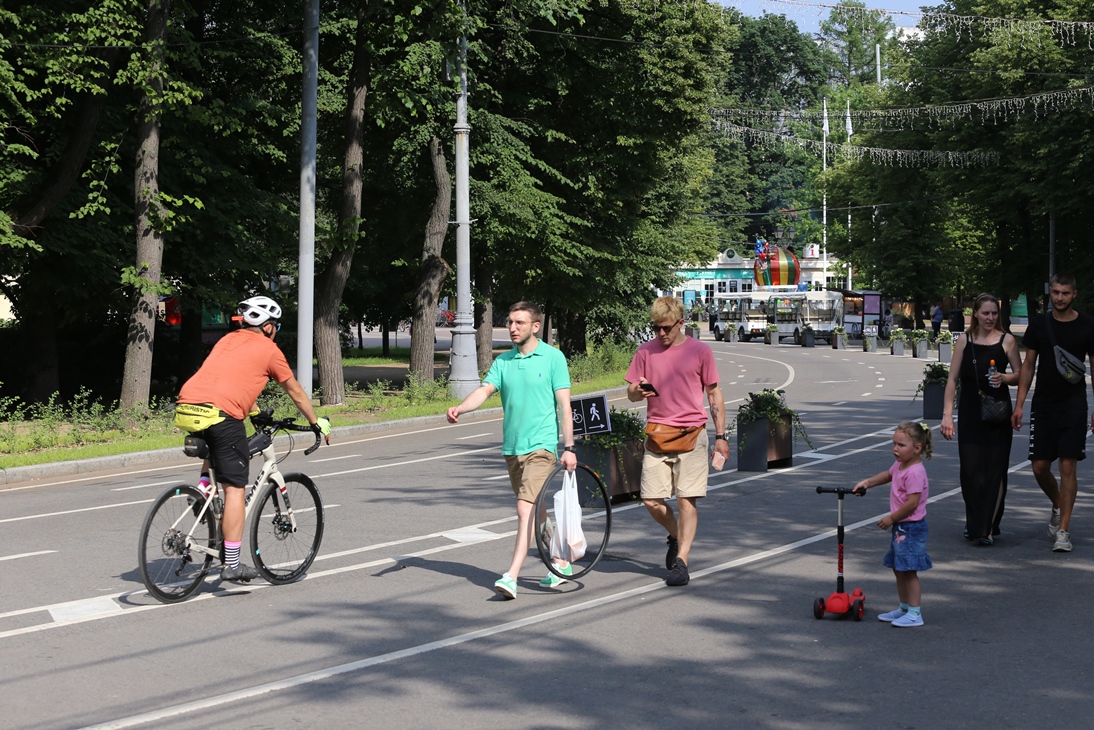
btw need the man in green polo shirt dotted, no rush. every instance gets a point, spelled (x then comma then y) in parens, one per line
(535, 384)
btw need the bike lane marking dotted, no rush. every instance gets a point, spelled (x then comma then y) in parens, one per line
(445, 534)
(368, 662)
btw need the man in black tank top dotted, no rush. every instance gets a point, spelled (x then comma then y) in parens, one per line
(1058, 412)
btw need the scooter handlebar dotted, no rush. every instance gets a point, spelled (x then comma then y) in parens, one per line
(835, 490)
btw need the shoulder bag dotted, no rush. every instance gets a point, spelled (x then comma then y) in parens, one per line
(993, 409)
(1071, 368)
(667, 439)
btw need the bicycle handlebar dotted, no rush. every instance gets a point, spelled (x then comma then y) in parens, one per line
(264, 421)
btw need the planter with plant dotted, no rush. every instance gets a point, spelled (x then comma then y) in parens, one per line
(839, 337)
(809, 336)
(617, 454)
(765, 431)
(897, 341)
(933, 388)
(771, 334)
(920, 342)
(945, 346)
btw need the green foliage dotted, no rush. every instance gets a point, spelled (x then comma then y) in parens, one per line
(627, 425)
(601, 359)
(769, 404)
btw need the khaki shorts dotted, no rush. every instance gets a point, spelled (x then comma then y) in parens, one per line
(683, 474)
(528, 472)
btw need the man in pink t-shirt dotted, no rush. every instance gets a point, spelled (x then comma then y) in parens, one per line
(672, 373)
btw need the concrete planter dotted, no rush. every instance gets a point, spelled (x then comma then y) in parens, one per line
(761, 445)
(620, 466)
(869, 343)
(945, 352)
(809, 339)
(771, 338)
(896, 347)
(692, 332)
(730, 335)
(839, 342)
(920, 349)
(933, 397)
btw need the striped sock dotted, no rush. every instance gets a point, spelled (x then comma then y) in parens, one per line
(231, 553)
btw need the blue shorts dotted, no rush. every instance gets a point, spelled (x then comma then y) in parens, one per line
(908, 547)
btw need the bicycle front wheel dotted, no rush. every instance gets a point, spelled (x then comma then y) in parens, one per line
(596, 519)
(287, 529)
(170, 568)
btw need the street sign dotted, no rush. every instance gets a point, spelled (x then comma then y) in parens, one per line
(870, 330)
(590, 415)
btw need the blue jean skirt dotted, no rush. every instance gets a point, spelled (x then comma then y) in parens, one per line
(908, 547)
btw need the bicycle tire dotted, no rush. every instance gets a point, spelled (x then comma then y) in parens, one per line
(168, 568)
(280, 554)
(596, 518)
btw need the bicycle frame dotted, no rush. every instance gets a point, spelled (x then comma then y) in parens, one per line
(269, 472)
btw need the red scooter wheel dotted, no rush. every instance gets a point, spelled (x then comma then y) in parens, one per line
(858, 608)
(818, 608)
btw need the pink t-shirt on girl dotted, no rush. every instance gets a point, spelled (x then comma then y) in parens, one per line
(681, 374)
(909, 481)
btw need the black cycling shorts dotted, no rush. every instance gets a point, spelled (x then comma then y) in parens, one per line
(1058, 431)
(229, 452)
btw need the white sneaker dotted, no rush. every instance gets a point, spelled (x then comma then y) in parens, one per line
(1054, 523)
(908, 620)
(1063, 542)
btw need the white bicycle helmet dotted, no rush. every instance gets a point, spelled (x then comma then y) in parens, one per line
(257, 310)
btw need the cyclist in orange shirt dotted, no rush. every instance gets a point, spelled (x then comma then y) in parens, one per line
(231, 379)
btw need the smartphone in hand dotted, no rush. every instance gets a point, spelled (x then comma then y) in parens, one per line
(648, 387)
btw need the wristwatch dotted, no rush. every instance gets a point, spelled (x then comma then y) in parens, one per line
(568, 448)
(721, 436)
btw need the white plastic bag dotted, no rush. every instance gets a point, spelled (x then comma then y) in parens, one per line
(567, 540)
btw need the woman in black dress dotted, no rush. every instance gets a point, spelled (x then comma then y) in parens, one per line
(983, 448)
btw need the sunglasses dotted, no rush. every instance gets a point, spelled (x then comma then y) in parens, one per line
(659, 328)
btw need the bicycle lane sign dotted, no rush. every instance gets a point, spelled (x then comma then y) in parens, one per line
(590, 415)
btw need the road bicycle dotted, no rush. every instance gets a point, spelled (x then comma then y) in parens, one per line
(596, 518)
(181, 534)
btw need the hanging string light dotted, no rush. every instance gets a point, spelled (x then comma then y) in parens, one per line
(855, 153)
(1001, 30)
(986, 111)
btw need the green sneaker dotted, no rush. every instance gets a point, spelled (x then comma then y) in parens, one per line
(553, 580)
(507, 586)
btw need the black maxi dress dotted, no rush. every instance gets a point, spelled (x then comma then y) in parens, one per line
(984, 449)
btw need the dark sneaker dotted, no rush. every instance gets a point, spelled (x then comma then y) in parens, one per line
(242, 573)
(678, 576)
(670, 556)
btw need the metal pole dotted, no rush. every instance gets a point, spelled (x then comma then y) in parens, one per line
(877, 61)
(306, 280)
(463, 375)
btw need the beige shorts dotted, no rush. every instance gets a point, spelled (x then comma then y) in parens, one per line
(683, 474)
(528, 472)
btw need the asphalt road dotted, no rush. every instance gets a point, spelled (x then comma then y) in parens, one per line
(397, 625)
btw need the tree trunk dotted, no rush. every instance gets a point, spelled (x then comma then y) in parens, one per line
(433, 269)
(571, 333)
(484, 315)
(137, 374)
(332, 282)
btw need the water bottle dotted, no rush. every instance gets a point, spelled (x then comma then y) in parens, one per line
(992, 373)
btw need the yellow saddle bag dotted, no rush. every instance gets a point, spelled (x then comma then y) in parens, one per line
(193, 417)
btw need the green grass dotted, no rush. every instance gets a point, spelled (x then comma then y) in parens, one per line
(379, 404)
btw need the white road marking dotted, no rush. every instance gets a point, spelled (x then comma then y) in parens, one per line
(404, 463)
(75, 511)
(840, 403)
(335, 458)
(471, 535)
(354, 666)
(144, 486)
(475, 436)
(27, 555)
(96, 478)
(89, 607)
(864, 395)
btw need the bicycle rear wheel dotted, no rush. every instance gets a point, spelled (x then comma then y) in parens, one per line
(282, 553)
(171, 570)
(596, 518)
